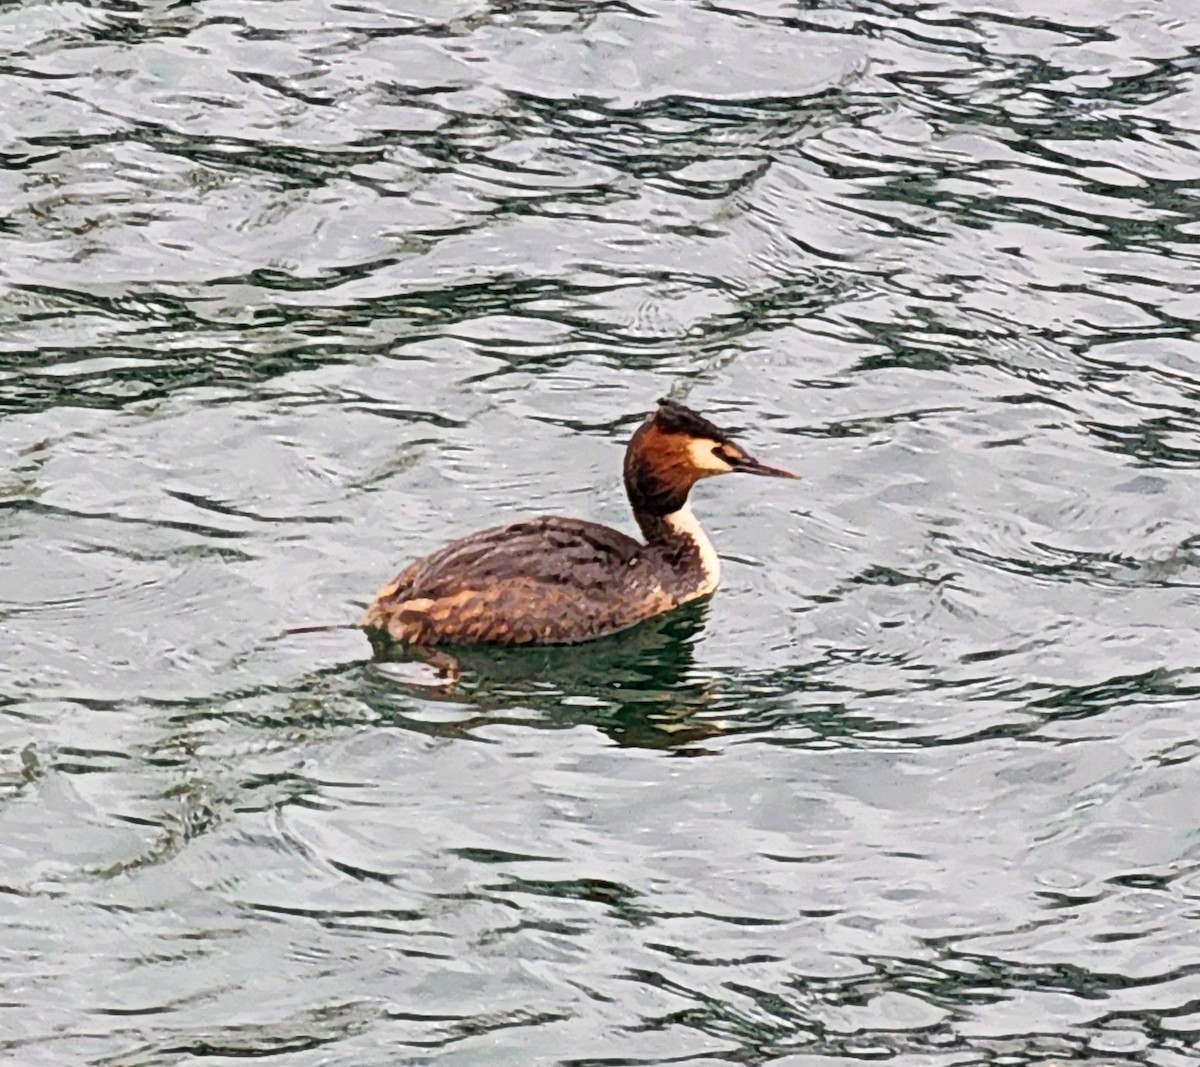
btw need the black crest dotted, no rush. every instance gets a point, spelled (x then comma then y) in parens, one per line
(672, 417)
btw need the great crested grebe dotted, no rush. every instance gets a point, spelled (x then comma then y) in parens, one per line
(553, 581)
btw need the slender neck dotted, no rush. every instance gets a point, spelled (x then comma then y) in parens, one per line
(658, 492)
(681, 542)
(659, 530)
(665, 519)
(660, 470)
(667, 530)
(656, 489)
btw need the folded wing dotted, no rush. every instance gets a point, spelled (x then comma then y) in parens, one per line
(546, 581)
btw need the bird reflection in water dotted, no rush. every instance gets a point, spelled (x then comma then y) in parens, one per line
(639, 686)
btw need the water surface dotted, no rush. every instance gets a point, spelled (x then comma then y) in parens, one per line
(294, 291)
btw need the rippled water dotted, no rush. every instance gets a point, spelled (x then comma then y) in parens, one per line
(294, 291)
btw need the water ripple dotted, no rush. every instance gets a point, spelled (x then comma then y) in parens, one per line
(291, 293)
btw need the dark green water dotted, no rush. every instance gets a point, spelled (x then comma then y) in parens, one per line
(293, 291)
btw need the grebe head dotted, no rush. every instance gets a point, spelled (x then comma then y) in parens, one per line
(672, 450)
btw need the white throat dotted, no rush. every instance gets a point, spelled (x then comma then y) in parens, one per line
(684, 523)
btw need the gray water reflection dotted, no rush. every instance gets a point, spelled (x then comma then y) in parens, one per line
(292, 292)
